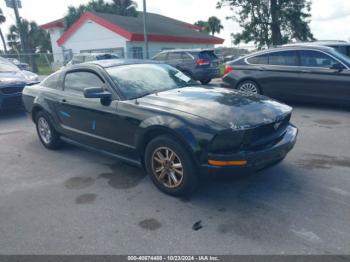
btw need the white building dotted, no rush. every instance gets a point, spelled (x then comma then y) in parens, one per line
(100, 32)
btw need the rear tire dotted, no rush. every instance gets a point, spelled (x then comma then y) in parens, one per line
(46, 132)
(170, 166)
(249, 86)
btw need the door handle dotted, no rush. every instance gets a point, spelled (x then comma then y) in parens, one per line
(305, 71)
(63, 101)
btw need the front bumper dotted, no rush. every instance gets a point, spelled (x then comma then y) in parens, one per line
(206, 73)
(11, 101)
(256, 160)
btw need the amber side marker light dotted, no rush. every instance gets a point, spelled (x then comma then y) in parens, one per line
(227, 163)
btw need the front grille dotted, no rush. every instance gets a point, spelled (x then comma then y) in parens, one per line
(265, 135)
(12, 89)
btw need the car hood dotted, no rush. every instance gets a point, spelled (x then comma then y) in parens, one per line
(12, 78)
(228, 108)
(18, 77)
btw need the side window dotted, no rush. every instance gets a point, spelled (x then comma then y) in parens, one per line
(175, 57)
(186, 57)
(51, 81)
(310, 58)
(77, 81)
(161, 57)
(259, 60)
(285, 58)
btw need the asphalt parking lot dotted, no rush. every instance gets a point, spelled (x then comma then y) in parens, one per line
(74, 201)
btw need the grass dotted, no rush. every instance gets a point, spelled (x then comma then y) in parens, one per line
(45, 70)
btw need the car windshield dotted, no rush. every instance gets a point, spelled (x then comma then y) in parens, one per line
(8, 67)
(341, 56)
(136, 81)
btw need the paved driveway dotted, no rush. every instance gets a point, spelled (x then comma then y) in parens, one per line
(77, 202)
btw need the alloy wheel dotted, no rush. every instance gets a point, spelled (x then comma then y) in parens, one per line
(249, 87)
(167, 167)
(44, 130)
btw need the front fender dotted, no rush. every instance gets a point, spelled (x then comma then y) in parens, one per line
(195, 134)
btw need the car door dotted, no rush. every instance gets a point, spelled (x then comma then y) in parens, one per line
(279, 77)
(321, 81)
(90, 120)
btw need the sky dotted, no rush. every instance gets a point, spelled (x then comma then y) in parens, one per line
(330, 18)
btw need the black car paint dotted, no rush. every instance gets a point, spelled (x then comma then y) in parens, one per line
(295, 83)
(194, 115)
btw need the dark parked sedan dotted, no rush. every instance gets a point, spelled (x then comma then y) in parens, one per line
(152, 115)
(12, 82)
(300, 73)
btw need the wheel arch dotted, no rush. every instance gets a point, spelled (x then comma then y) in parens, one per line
(185, 138)
(35, 110)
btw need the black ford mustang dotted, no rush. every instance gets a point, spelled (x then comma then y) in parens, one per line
(154, 116)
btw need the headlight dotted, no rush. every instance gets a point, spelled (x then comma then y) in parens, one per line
(227, 141)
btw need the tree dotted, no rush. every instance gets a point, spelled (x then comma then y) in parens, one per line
(13, 39)
(213, 25)
(2, 20)
(203, 25)
(37, 39)
(118, 7)
(270, 22)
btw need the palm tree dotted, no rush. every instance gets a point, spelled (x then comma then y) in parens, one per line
(2, 20)
(13, 39)
(37, 40)
(214, 25)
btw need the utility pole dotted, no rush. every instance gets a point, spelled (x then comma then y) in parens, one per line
(145, 28)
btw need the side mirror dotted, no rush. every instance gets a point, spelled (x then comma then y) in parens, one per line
(97, 92)
(338, 67)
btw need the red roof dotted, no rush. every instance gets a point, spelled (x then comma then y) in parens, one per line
(131, 27)
(59, 23)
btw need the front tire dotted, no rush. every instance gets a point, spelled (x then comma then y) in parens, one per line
(46, 132)
(249, 87)
(170, 166)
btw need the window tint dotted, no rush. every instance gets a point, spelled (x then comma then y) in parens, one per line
(51, 81)
(161, 57)
(186, 57)
(285, 58)
(77, 81)
(175, 57)
(208, 55)
(259, 59)
(311, 58)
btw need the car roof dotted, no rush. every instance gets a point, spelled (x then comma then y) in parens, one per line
(116, 62)
(188, 50)
(291, 47)
(322, 43)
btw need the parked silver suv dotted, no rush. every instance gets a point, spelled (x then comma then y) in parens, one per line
(200, 64)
